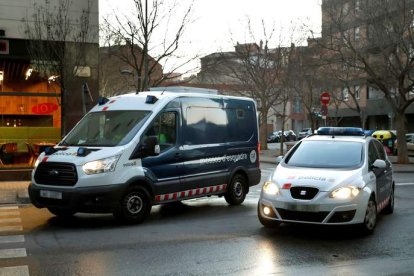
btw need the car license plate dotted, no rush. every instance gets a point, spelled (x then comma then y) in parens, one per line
(303, 208)
(51, 194)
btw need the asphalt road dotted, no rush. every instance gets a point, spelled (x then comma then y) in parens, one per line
(206, 237)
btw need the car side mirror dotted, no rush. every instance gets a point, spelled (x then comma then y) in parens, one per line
(279, 159)
(379, 164)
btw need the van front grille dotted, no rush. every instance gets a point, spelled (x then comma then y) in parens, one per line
(56, 174)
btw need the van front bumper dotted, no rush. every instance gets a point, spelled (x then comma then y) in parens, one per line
(99, 199)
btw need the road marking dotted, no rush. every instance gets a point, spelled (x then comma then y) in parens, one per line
(15, 270)
(404, 184)
(11, 228)
(9, 214)
(12, 253)
(11, 239)
(9, 208)
(7, 220)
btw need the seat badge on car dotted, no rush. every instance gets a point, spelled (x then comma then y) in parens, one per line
(53, 173)
(303, 193)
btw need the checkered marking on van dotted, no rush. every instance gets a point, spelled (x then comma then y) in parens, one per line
(191, 193)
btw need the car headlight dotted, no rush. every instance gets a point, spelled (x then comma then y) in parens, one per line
(270, 188)
(345, 192)
(101, 166)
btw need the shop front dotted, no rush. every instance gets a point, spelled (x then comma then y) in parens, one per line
(30, 115)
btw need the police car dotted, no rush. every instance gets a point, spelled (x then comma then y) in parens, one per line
(338, 176)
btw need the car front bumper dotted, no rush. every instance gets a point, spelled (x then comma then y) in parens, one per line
(320, 210)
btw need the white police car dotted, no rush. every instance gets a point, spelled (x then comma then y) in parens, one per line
(336, 177)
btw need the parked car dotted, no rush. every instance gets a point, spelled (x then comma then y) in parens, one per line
(409, 137)
(273, 137)
(304, 132)
(290, 135)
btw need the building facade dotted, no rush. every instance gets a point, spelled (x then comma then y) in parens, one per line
(40, 94)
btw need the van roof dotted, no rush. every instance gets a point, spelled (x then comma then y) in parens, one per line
(133, 101)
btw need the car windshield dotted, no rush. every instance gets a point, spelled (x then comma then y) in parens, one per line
(106, 128)
(326, 154)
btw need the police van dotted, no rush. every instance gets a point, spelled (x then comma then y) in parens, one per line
(133, 151)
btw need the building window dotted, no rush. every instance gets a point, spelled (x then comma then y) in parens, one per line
(345, 94)
(357, 34)
(357, 5)
(357, 91)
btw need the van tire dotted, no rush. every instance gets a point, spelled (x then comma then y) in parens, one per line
(62, 213)
(236, 191)
(135, 206)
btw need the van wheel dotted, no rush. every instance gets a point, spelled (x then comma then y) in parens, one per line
(236, 191)
(63, 213)
(389, 209)
(370, 220)
(135, 206)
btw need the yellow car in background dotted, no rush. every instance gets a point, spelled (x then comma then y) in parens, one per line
(387, 139)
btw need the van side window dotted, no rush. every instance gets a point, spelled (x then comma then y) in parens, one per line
(165, 128)
(210, 125)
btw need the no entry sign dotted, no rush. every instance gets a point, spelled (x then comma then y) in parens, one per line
(325, 98)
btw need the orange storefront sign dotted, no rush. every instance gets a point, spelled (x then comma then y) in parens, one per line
(44, 108)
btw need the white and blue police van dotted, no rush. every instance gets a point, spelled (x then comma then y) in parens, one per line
(133, 151)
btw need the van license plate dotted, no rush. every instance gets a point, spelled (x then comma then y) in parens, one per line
(51, 194)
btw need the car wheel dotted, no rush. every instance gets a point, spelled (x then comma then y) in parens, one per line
(63, 213)
(268, 223)
(135, 206)
(370, 220)
(236, 191)
(389, 209)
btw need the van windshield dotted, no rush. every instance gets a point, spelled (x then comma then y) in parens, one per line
(106, 128)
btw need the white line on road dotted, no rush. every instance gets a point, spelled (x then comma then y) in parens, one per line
(9, 208)
(10, 214)
(15, 271)
(11, 239)
(404, 184)
(11, 228)
(12, 253)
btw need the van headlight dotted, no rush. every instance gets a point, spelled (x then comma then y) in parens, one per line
(101, 166)
(270, 188)
(345, 192)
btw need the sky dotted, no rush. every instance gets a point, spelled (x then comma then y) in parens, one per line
(218, 24)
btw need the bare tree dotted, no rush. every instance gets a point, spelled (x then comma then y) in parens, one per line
(375, 38)
(139, 33)
(56, 44)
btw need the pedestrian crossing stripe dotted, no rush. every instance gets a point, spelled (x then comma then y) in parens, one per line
(15, 270)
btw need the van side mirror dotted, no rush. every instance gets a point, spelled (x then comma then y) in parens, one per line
(148, 147)
(279, 159)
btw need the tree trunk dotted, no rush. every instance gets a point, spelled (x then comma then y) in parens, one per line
(263, 130)
(401, 142)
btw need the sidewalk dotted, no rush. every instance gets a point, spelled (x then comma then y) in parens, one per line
(15, 192)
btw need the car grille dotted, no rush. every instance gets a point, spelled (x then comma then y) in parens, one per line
(302, 216)
(305, 193)
(56, 174)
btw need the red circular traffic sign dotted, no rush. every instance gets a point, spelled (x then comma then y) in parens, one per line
(44, 108)
(325, 98)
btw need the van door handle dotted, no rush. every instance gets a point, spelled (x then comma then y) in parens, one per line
(177, 155)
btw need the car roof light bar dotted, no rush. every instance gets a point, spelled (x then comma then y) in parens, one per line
(341, 131)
